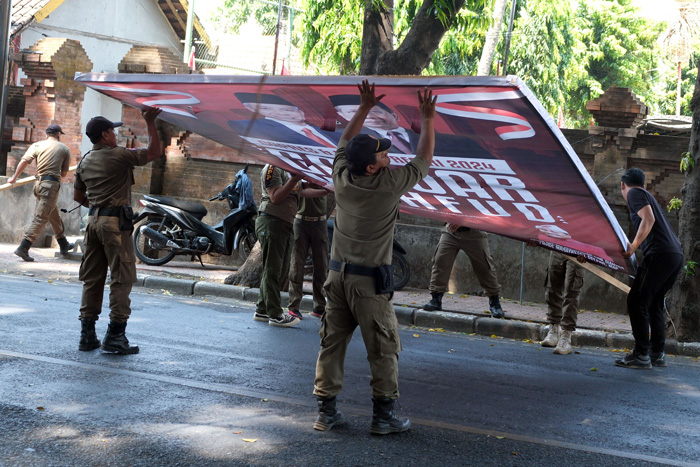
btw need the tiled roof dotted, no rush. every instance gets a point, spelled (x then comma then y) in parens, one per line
(23, 12)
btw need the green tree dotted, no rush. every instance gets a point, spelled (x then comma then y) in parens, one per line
(350, 36)
(621, 50)
(547, 52)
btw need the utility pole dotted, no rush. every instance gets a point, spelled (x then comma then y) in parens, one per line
(508, 36)
(188, 33)
(5, 19)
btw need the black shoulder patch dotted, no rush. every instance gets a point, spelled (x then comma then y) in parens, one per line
(268, 175)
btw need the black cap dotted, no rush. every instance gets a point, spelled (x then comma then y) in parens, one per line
(253, 97)
(97, 125)
(54, 128)
(363, 145)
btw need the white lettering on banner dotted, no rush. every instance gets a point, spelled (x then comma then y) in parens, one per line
(449, 178)
(514, 184)
(430, 185)
(528, 209)
(167, 97)
(412, 196)
(299, 148)
(500, 212)
(443, 188)
(449, 203)
(473, 165)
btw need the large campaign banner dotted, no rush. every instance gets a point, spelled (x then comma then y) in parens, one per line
(501, 164)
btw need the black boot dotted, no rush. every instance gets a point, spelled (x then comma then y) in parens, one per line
(435, 304)
(88, 337)
(64, 245)
(384, 420)
(23, 250)
(495, 307)
(115, 340)
(328, 415)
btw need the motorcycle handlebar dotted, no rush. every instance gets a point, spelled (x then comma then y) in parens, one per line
(215, 197)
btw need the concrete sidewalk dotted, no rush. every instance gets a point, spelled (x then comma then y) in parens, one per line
(461, 313)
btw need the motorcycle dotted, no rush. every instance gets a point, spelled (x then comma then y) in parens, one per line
(402, 271)
(175, 227)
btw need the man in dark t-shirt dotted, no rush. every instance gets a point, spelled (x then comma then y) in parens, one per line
(663, 258)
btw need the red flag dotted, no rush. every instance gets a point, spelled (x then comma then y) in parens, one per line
(285, 71)
(560, 118)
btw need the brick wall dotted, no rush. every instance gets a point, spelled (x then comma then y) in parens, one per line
(50, 96)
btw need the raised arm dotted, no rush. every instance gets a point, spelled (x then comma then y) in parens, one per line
(426, 142)
(154, 149)
(367, 101)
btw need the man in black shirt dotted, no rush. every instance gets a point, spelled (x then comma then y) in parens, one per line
(663, 258)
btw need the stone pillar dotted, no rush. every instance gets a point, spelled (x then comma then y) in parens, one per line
(51, 95)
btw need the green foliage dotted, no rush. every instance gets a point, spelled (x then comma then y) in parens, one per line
(667, 98)
(689, 269)
(331, 34)
(232, 14)
(621, 50)
(687, 162)
(547, 52)
(675, 203)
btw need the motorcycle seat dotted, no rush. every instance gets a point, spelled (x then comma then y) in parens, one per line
(196, 209)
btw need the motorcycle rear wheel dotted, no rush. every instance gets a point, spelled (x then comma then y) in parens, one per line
(145, 249)
(246, 242)
(402, 271)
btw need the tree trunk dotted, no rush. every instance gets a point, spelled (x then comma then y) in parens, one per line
(414, 53)
(684, 307)
(250, 273)
(492, 37)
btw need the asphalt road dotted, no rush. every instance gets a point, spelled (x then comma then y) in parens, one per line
(213, 387)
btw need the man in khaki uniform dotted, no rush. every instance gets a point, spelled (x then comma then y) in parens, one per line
(273, 226)
(103, 182)
(475, 244)
(52, 162)
(359, 286)
(310, 231)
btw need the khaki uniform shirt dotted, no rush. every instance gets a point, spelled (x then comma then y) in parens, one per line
(313, 207)
(367, 207)
(52, 157)
(271, 177)
(108, 173)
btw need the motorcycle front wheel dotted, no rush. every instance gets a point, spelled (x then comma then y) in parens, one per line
(144, 247)
(402, 272)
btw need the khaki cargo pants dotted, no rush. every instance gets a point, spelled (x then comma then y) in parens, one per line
(563, 285)
(46, 193)
(314, 235)
(475, 244)
(107, 247)
(275, 237)
(352, 302)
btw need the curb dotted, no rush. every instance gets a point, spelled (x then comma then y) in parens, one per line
(409, 315)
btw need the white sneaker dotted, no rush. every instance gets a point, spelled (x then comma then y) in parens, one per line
(564, 344)
(284, 320)
(553, 336)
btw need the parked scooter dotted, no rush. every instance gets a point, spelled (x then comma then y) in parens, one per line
(174, 227)
(402, 271)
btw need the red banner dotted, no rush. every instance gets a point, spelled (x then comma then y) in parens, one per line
(501, 164)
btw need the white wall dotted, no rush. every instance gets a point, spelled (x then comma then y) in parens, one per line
(107, 30)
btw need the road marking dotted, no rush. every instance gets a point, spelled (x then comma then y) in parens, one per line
(352, 409)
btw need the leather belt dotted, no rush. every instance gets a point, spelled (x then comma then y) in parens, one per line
(352, 268)
(311, 219)
(110, 212)
(51, 178)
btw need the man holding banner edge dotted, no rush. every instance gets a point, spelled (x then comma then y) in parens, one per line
(359, 286)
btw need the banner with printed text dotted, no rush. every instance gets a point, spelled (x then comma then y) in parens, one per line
(500, 165)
